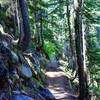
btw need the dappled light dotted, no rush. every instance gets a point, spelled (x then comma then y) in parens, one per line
(49, 49)
(59, 84)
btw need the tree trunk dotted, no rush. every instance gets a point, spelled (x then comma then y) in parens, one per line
(14, 23)
(26, 25)
(40, 35)
(38, 30)
(82, 75)
(41, 26)
(20, 23)
(14, 18)
(72, 53)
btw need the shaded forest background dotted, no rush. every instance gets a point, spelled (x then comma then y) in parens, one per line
(42, 31)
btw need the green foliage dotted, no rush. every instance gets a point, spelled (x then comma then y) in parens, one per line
(94, 50)
(97, 76)
(91, 10)
(94, 61)
(51, 48)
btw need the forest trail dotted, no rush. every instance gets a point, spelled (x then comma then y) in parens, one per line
(59, 84)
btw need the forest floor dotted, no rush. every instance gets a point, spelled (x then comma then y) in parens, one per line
(59, 84)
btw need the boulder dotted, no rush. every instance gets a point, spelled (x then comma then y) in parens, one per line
(46, 94)
(21, 97)
(25, 71)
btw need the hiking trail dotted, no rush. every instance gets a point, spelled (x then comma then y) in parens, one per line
(59, 84)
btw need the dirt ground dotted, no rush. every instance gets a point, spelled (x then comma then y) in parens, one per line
(59, 84)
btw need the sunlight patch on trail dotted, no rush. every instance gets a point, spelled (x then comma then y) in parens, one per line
(58, 83)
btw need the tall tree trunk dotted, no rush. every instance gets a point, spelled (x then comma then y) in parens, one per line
(72, 53)
(38, 26)
(26, 25)
(14, 17)
(83, 91)
(35, 23)
(66, 42)
(40, 31)
(14, 23)
(20, 23)
(41, 27)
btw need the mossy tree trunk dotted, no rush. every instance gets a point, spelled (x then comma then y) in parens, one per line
(72, 50)
(24, 44)
(82, 74)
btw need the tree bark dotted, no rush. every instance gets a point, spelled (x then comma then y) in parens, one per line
(24, 44)
(82, 75)
(41, 26)
(20, 23)
(14, 17)
(72, 53)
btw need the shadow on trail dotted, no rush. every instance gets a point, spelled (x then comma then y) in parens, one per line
(59, 84)
(51, 69)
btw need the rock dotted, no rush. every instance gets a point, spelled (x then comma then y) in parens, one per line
(3, 69)
(14, 57)
(21, 97)
(5, 49)
(43, 62)
(38, 96)
(4, 96)
(31, 84)
(16, 95)
(46, 94)
(36, 63)
(5, 44)
(26, 71)
(3, 74)
(15, 74)
(33, 61)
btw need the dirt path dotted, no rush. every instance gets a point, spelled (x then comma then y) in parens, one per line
(59, 84)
